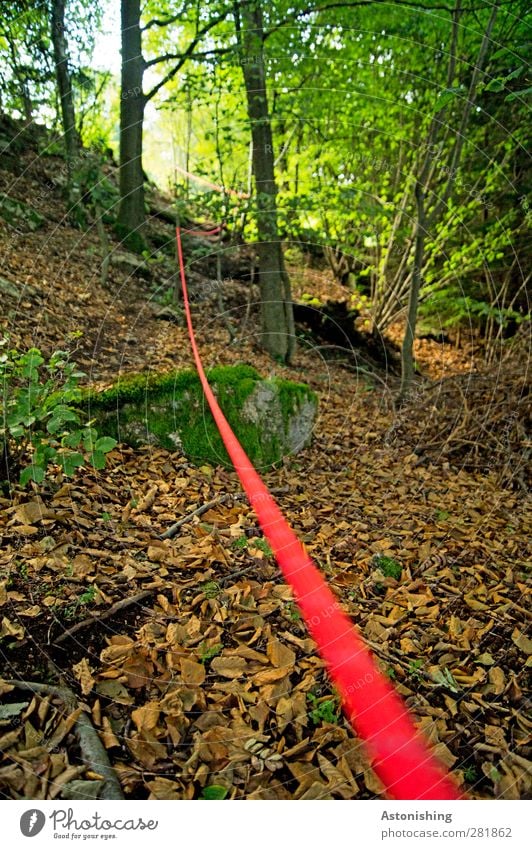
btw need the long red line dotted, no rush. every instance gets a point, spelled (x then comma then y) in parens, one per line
(397, 753)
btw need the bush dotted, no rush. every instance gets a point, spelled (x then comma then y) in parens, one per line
(40, 423)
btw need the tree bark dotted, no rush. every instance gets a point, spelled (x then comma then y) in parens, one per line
(64, 85)
(277, 319)
(407, 351)
(131, 215)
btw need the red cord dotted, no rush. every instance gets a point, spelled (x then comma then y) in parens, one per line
(397, 753)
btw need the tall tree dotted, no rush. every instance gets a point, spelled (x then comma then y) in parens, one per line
(191, 17)
(277, 318)
(132, 105)
(64, 85)
(422, 221)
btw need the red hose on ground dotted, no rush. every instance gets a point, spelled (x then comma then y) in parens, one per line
(397, 753)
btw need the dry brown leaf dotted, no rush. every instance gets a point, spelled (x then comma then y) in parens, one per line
(497, 681)
(442, 752)
(522, 642)
(9, 629)
(494, 736)
(280, 655)
(146, 717)
(108, 737)
(269, 676)
(83, 673)
(192, 672)
(228, 667)
(31, 512)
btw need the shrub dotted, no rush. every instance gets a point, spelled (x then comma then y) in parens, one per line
(40, 423)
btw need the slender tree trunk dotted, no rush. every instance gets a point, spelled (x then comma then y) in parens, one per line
(64, 85)
(277, 321)
(407, 352)
(131, 215)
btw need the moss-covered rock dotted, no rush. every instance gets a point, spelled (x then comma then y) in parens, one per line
(271, 418)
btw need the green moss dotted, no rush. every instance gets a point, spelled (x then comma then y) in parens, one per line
(131, 239)
(292, 395)
(389, 567)
(171, 410)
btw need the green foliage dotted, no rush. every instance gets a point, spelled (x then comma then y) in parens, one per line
(470, 774)
(210, 589)
(293, 611)
(389, 567)
(414, 669)
(208, 652)
(85, 598)
(214, 791)
(93, 184)
(263, 546)
(41, 421)
(19, 214)
(324, 709)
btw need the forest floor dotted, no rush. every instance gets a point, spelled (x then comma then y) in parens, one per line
(188, 654)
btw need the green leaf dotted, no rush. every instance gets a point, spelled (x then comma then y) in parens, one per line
(31, 473)
(496, 85)
(71, 440)
(97, 458)
(105, 444)
(70, 462)
(517, 94)
(60, 416)
(446, 96)
(215, 791)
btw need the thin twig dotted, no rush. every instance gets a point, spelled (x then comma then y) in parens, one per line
(220, 499)
(115, 608)
(173, 529)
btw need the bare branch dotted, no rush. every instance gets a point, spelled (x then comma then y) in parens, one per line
(163, 22)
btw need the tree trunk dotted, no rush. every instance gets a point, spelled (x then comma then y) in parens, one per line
(131, 215)
(64, 85)
(277, 319)
(407, 352)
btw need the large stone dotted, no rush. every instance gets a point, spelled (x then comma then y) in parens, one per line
(271, 418)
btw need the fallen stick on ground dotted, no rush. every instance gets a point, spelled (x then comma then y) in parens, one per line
(220, 499)
(91, 620)
(92, 749)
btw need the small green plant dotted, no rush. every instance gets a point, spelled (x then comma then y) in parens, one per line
(293, 611)
(88, 596)
(23, 570)
(311, 300)
(210, 589)
(263, 546)
(40, 423)
(414, 668)
(470, 774)
(208, 652)
(389, 567)
(215, 791)
(240, 542)
(324, 710)
(85, 598)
